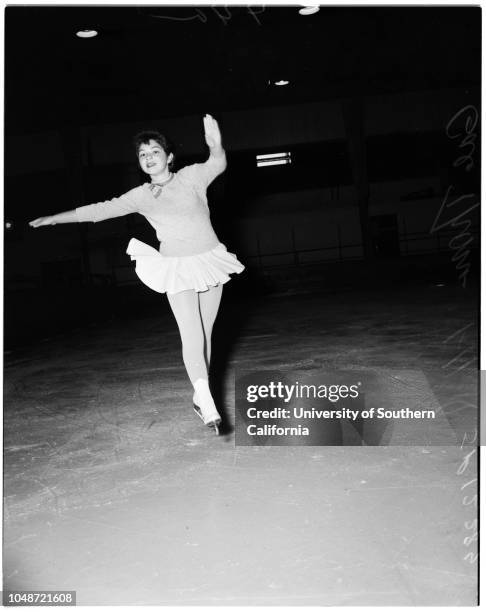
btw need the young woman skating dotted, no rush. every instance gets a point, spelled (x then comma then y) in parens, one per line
(191, 264)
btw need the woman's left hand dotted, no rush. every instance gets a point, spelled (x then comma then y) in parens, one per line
(211, 132)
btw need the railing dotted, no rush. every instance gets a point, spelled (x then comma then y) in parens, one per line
(434, 243)
(409, 246)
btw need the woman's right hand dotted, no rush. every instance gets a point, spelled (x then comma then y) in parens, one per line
(42, 221)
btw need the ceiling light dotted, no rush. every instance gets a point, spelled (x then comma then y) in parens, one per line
(309, 10)
(86, 33)
(281, 82)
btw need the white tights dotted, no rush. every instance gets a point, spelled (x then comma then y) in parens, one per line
(195, 313)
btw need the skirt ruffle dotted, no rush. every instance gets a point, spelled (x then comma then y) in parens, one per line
(173, 274)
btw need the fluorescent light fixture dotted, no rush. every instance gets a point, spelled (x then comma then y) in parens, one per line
(309, 10)
(281, 82)
(86, 33)
(272, 155)
(273, 162)
(273, 159)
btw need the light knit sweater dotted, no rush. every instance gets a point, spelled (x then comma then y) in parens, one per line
(179, 215)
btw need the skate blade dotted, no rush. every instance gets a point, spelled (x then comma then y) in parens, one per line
(213, 424)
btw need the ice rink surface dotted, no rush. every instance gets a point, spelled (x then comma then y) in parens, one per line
(115, 489)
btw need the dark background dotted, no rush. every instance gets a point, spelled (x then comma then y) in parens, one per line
(365, 115)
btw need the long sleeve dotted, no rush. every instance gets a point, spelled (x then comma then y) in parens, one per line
(213, 167)
(202, 175)
(116, 207)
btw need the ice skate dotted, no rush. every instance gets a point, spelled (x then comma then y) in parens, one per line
(214, 422)
(204, 407)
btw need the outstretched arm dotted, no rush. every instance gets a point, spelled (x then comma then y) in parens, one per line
(64, 217)
(117, 207)
(212, 134)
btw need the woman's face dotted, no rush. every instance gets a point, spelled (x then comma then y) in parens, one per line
(153, 159)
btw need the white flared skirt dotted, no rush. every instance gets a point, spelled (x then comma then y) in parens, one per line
(173, 274)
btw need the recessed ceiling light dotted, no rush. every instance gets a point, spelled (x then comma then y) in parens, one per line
(281, 82)
(87, 33)
(308, 10)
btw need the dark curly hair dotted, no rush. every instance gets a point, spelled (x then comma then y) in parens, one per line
(147, 135)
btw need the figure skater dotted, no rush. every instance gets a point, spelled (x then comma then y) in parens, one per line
(191, 265)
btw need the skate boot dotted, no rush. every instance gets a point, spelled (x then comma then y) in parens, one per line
(204, 405)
